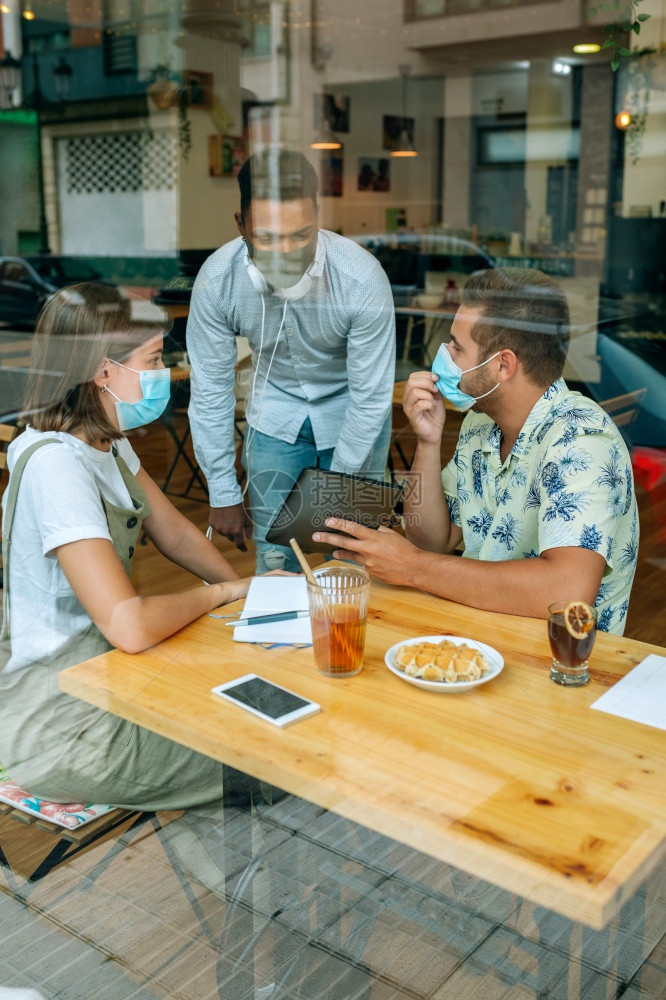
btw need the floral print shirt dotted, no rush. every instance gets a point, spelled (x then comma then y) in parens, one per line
(566, 482)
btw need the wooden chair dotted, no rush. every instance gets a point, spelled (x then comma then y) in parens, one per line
(648, 464)
(32, 847)
(7, 434)
(623, 409)
(180, 379)
(243, 385)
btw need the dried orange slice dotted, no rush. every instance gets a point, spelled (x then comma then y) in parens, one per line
(579, 619)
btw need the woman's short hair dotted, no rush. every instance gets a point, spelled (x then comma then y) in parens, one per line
(77, 329)
(524, 310)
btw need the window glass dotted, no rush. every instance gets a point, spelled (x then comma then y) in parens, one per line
(447, 136)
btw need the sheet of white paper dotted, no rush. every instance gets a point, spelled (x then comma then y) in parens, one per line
(268, 595)
(640, 695)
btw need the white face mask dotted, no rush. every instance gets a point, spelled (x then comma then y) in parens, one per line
(284, 274)
(297, 291)
(283, 270)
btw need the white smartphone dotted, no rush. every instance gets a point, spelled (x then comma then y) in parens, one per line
(269, 701)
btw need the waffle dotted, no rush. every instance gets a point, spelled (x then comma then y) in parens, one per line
(442, 661)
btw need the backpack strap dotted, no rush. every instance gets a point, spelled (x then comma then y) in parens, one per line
(8, 520)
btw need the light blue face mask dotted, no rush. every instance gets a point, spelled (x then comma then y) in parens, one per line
(156, 389)
(449, 376)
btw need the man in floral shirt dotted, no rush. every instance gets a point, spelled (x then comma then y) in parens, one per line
(540, 488)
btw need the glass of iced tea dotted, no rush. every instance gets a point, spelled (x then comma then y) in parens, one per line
(338, 614)
(572, 629)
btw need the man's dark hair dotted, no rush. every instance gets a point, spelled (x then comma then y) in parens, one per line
(524, 310)
(276, 174)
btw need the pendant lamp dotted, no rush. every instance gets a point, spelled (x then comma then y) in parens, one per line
(405, 147)
(325, 138)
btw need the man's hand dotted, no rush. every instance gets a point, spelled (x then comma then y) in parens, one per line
(424, 407)
(384, 553)
(232, 522)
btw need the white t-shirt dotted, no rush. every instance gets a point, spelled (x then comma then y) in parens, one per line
(58, 502)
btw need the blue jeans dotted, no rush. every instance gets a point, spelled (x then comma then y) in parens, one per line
(274, 467)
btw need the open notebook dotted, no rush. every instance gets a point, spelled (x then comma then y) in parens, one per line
(268, 595)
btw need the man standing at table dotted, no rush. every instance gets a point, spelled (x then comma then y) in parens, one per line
(540, 488)
(318, 313)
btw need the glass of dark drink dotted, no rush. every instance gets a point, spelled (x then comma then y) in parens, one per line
(338, 615)
(572, 629)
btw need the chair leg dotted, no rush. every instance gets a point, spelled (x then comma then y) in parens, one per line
(181, 453)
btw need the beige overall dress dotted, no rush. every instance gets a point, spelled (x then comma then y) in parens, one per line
(61, 748)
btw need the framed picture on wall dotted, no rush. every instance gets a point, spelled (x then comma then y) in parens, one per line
(226, 155)
(335, 108)
(331, 174)
(392, 126)
(374, 173)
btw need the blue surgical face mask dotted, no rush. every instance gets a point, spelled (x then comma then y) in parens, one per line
(156, 389)
(449, 376)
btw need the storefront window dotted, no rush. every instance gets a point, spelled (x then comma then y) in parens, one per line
(441, 145)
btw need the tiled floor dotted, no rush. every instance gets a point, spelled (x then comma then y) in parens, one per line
(221, 906)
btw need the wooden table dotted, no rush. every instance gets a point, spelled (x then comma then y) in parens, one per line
(517, 782)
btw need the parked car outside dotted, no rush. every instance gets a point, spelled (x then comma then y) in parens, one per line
(27, 282)
(411, 260)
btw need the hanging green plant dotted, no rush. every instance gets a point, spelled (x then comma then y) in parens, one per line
(636, 65)
(184, 124)
(627, 19)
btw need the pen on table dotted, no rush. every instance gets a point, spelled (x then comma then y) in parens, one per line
(281, 616)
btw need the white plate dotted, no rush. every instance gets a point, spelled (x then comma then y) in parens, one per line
(494, 658)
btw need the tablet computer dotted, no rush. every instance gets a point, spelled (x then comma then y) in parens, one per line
(321, 493)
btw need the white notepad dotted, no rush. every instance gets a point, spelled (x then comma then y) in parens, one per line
(268, 595)
(640, 695)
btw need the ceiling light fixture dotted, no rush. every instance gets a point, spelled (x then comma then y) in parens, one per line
(405, 146)
(325, 137)
(586, 48)
(561, 68)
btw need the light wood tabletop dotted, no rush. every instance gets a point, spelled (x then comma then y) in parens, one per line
(517, 781)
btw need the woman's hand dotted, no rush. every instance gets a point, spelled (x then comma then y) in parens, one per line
(424, 407)
(233, 590)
